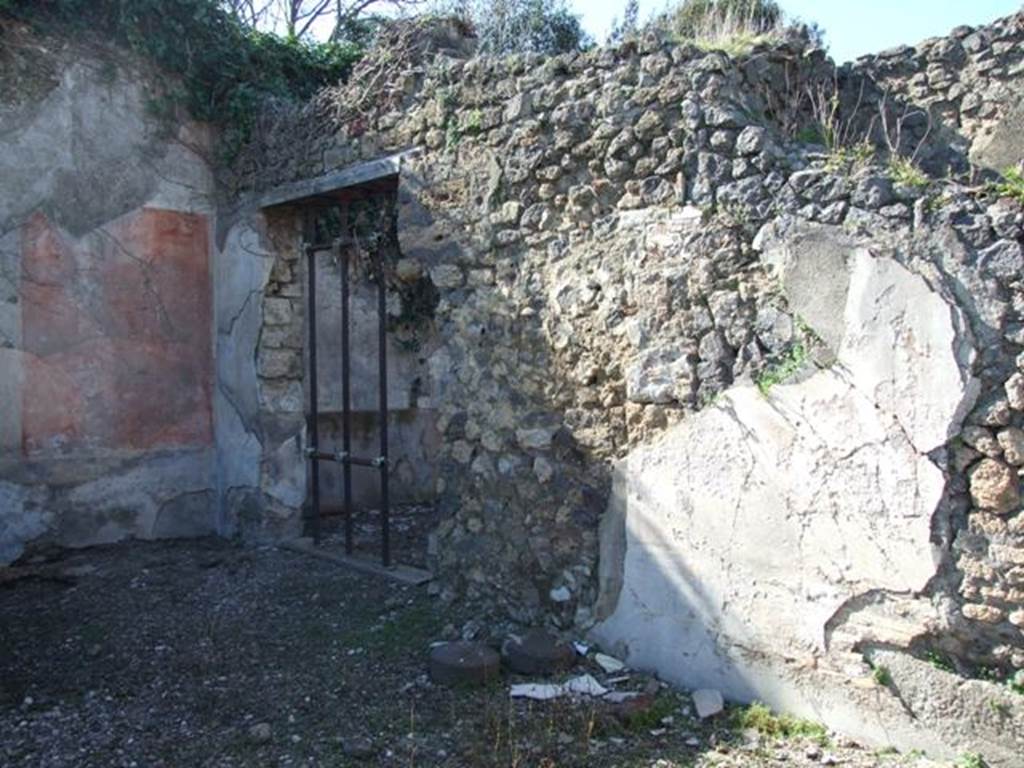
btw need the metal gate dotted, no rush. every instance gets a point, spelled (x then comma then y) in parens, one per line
(343, 249)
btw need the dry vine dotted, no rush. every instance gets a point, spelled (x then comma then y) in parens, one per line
(380, 81)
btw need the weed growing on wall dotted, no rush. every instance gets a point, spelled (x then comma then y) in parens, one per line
(783, 369)
(905, 172)
(939, 660)
(226, 69)
(882, 676)
(971, 760)
(1011, 185)
(849, 160)
(1016, 683)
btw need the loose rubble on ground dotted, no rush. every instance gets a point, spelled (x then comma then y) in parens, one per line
(148, 654)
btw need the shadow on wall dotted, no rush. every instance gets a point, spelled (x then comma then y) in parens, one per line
(520, 498)
(771, 545)
(414, 446)
(413, 441)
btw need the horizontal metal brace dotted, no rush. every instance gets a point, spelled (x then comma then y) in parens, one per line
(339, 456)
(339, 243)
(377, 463)
(343, 458)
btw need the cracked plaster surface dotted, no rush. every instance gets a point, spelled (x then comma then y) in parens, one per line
(746, 529)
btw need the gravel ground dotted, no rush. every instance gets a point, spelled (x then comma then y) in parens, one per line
(206, 653)
(409, 525)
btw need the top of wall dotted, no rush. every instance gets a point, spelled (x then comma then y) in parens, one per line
(969, 79)
(951, 102)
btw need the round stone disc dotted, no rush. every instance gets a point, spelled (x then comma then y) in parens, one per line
(461, 663)
(538, 653)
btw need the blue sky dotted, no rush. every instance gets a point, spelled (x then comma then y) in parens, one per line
(852, 27)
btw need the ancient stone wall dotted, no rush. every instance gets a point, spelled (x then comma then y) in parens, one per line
(106, 367)
(263, 392)
(968, 81)
(746, 407)
(785, 380)
(590, 218)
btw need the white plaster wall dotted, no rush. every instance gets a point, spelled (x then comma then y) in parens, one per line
(734, 542)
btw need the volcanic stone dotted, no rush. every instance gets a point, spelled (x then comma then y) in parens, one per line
(994, 486)
(538, 653)
(464, 664)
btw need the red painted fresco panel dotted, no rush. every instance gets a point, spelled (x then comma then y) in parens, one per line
(117, 331)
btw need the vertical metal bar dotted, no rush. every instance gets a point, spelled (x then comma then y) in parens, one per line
(382, 357)
(346, 394)
(313, 426)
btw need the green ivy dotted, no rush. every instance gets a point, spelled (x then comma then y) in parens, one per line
(226, 68)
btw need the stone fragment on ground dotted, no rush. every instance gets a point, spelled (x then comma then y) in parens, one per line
(537, 691)
(464, 664)
(358, 747)
(538, 652)
(708, 702)
(260, 733)
(609, 664)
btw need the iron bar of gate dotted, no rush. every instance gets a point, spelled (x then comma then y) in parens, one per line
(344, 456)
(346, 394)
(312, 427)
(382, 357)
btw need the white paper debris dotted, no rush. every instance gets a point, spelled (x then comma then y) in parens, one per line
(584, 685)
(581, 648)
(537, 691)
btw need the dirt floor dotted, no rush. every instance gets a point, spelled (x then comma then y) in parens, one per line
(208, 654)
(410, 524)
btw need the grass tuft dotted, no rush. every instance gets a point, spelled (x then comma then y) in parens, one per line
(733, 26)
(665, 704)
(971, 760)
(761, 719)
(904, 171)
(1010, 186)
(783, 369)
(882, 676)
(849, 159)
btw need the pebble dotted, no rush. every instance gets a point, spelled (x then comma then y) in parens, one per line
(708, 702)
(358, 747)
(260, 733)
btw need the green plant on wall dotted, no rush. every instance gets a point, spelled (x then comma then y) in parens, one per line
(939, 660)
(783, 368)
(452, 134)
(850, 159)
(1010, 186)
(226, 70)
(882, 676)
(1016, 683)
(971, 760)
(473, 122)
(905, 172)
